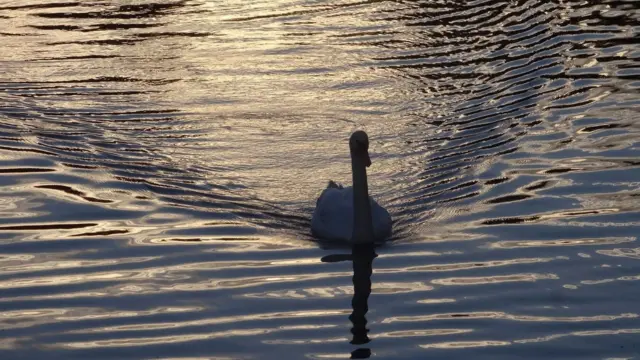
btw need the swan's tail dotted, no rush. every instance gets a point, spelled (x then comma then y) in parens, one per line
(335, 185)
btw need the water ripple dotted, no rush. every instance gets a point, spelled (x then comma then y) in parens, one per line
(159, 162)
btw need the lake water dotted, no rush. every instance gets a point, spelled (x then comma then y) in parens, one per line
(160, 161)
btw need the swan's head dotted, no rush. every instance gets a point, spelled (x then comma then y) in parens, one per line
(359, 145)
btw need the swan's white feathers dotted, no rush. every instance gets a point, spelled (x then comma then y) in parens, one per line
(333, 184)
(333, 217)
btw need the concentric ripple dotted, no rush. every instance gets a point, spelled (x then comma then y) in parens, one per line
(160, 160)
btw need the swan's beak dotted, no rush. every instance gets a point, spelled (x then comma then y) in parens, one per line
(367, 159)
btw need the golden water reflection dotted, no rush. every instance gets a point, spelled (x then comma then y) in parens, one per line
(159, 162)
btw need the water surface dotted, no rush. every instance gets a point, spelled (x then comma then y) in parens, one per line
(160, 160)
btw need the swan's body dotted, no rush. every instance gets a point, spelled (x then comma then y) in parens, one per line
(349, 214)
(333, 216)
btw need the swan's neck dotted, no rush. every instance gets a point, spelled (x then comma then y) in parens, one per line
(362, 221)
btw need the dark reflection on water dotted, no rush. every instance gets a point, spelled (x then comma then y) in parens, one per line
(361, 257)
(362, 268)
(159, 162)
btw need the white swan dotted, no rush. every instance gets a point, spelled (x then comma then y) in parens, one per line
(350, 214)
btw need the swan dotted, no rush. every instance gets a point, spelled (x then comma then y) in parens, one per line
(349, 214)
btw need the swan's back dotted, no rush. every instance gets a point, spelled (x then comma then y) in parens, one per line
(333, 216)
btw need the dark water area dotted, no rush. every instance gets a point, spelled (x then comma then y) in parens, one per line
(160, 161)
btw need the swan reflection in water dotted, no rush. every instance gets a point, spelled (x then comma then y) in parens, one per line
(362, 256)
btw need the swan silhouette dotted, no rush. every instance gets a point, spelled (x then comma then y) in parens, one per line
(349, 214)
